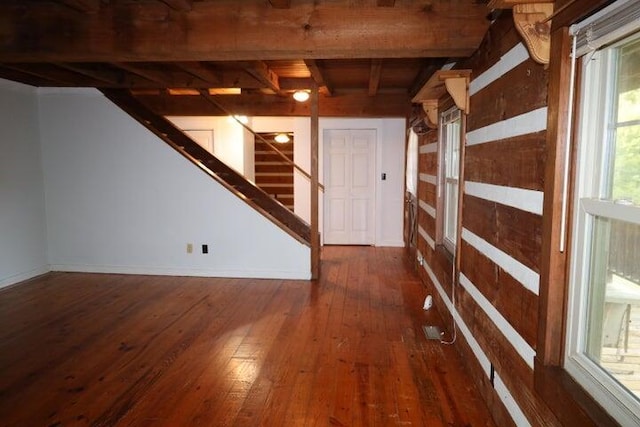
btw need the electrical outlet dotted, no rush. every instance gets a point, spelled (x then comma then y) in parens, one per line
(205, 249)
(189, 248)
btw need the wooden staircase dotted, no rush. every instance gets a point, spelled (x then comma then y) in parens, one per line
(214, 167)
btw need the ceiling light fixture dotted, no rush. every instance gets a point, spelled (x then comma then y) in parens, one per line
(282, 138)
(301, 95)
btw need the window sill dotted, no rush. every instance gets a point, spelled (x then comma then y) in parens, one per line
(567, 399)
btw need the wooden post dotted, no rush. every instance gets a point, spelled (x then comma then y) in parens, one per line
(315, 234)
(553, 283)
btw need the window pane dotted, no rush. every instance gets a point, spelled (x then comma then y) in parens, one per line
(628, 81)
(451, 220)
(626, 148)
(613, 333)
(453, 149)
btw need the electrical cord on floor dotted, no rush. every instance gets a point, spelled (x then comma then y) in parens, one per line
(453, 305)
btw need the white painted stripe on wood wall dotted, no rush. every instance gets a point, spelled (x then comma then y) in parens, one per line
(426, 237)
(523, 274)
(517, 55)
(427, 208)
(428, 148)
(522, 347)
(503, 392)
(519, 198)
(431, 179)
(530, 122)
(519, 418)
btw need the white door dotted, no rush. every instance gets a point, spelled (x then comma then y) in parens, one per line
(349, 179)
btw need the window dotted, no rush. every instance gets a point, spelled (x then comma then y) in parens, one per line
(603, 329)
(450, 136)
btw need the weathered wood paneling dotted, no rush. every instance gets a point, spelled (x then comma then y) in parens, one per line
(427, 222)
(522, 168)
(516, 303)
(515, 232)
(514, 372)
(519, 91)
(500, 38)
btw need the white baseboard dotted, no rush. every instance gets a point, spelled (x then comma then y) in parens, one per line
(26, 275)
(173, 271)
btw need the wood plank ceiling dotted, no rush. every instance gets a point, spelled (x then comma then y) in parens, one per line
(369, 57)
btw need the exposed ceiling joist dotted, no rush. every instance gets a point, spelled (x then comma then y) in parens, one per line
(110, 79)
(374, 77)
(263, 74)
(125, 32)
(343, 105)
(86, 6)
(201, 70)
(280, 4)
(182, 5)
(318, 76)
(34, 72)
(152, 75)
(386, 3)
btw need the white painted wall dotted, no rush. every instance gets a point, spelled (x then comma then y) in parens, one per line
(228, 138)
(120, 200)
(22, 211)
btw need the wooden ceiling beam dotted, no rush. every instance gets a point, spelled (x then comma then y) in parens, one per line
(280, 4)
(9, 72)
(181, 5)
(374, 76)
(48, 72)
(347, 105)
(508, 4)
(318, 76)
(263, 74)
(110, 79)
(151, 75)
(386, 3)
(226, 30)
(200, 70)
(84, 6)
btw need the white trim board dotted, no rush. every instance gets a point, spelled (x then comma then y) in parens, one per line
(523, 274)
(426, 237)
(428, 148)
(517, 55)
(189, 272)
(431, 179)
(519, 198)
(514, 410)
(26, 275)
(427, 208)
(526, 123)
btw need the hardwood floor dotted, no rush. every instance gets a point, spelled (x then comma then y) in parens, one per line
(105, 350)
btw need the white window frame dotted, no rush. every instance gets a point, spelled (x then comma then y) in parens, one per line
(450, 141)
(589, 204)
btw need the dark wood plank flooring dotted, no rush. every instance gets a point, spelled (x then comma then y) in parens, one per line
(106, 350)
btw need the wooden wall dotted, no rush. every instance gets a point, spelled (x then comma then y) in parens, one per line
(496, 299)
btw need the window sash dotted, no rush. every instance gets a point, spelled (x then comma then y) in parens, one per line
(593, 200)
(450, 137)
